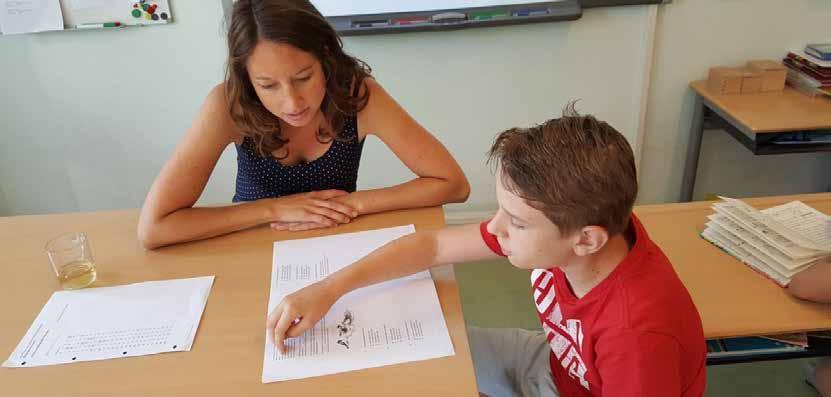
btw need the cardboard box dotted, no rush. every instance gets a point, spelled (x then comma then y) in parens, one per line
(773, 74)
(725, 80)
(751, 81)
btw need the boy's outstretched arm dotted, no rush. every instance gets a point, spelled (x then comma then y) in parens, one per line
(408, 255)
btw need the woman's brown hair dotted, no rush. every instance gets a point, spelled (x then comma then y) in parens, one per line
(300, 24)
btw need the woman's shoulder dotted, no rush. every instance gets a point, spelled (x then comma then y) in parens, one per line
(217, 112)
(379, 106)
(217, 99)
(368, 87)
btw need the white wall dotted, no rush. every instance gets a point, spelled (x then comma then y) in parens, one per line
(692, 35)
(4, 210)
(88, 118)
(467, 86)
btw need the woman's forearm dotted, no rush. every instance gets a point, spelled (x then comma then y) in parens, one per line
(189, 224)
(419, 192)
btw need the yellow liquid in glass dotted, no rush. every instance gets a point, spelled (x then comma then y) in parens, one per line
(77, 275)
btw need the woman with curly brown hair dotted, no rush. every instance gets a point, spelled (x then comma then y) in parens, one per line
(298, 109)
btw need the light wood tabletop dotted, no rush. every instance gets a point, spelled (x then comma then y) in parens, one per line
(733, 300)
(780, 111)
(227, 354)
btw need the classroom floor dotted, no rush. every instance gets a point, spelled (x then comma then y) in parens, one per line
(495, 294)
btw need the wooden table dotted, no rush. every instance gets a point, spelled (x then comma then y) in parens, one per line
(733, 300)
(227, 354)
(753, 120)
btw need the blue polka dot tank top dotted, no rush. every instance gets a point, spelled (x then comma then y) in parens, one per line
(264, 177)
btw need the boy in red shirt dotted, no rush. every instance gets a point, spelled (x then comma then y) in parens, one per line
(616, 319)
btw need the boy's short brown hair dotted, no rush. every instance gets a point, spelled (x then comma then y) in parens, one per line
(577, 170)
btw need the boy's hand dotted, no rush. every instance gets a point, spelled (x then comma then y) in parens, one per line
(298, 312)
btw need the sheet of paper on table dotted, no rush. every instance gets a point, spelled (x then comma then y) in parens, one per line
(389, 323)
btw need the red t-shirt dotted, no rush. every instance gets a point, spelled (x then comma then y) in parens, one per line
(637, 333)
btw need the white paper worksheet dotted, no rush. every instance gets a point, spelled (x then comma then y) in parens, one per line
(113, 322)
(811, 224)
(27, 16)
(389, 323)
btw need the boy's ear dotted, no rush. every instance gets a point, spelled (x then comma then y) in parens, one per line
(590, 239)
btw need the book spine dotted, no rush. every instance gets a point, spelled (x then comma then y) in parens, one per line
(808, 71)
(802, 59)
(824, 73)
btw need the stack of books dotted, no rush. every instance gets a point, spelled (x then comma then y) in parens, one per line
(819, 51)
(777, 242)
(750, 346)
(809, 69)
(739, 349)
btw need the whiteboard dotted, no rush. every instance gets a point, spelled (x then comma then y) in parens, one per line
(331, 8)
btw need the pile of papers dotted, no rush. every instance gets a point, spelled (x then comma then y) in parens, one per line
(114, 322)
(778, 242)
